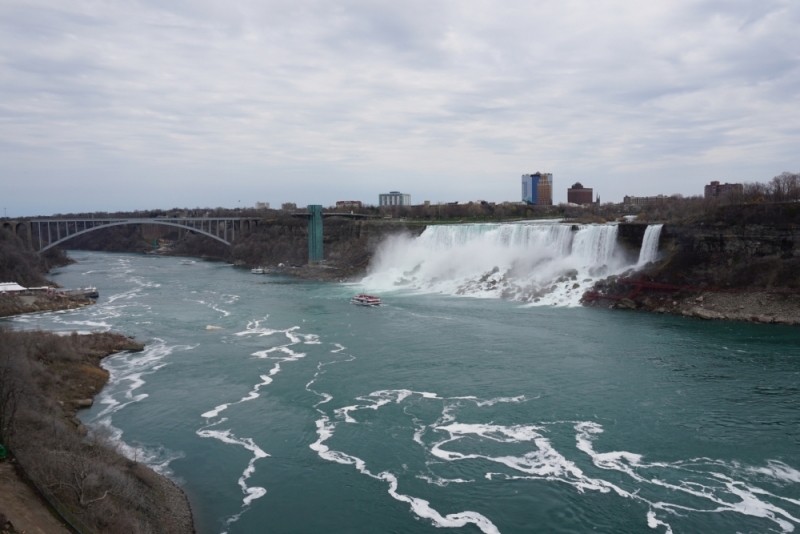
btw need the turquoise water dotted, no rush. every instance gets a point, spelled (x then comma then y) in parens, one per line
(303, 413)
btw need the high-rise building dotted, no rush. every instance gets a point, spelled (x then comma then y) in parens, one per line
(716, 189)
(577, 194)
(394, 198)
(537, 188)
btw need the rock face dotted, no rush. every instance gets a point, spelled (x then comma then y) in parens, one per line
(15, 305)
(743, 256)
(751, 240)
(348, 246)
(741, 264)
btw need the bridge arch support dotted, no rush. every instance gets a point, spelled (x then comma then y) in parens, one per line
(20, 228)
(222, 229)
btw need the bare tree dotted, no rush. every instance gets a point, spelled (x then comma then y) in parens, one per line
(10, 392)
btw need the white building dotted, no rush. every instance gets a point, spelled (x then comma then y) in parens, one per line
(262, 205)
(11, 287)
(394, 198)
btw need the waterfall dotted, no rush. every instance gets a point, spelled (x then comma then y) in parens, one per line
(541, 263)
(596, 244)
(649, 250)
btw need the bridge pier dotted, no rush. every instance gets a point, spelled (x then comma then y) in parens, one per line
(314, 233)
(13, 226)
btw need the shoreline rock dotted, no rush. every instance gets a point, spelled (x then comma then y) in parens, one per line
(11, 305)
(754, 306)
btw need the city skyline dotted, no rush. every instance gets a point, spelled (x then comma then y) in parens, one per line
(134, 106)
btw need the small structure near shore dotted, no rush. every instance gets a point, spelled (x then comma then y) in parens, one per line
(15, 288)
(11, 287)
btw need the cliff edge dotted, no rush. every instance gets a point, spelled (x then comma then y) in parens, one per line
(741, 263)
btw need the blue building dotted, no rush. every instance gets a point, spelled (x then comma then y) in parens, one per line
(537, 188)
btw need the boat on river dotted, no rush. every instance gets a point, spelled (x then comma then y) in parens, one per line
(89, 292)
(257, 270)
(362, 299)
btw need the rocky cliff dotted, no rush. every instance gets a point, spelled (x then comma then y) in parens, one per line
(743, 264)
(741, 256)
(282, 245)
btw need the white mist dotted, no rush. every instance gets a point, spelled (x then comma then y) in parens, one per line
(542, 263)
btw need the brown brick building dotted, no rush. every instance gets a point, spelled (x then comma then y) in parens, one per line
(716, 189)
(577, 194)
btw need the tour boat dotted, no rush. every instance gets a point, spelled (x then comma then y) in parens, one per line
(90, 292)
(257, 270)
(86, 292)
(365, 300)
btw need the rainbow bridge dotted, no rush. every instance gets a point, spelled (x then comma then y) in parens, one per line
(44, 233)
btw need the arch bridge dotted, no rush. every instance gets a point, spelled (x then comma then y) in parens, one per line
(50, 232)
(44, 233)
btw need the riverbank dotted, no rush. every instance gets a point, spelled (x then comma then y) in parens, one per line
(12, 304)
(741, 266)
(47, 379)
(765, 307)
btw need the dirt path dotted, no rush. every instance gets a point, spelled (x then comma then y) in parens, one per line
(22, 507)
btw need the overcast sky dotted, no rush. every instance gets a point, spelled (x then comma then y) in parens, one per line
(110, 105)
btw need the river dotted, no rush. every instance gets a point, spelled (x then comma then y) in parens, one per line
(300, 412)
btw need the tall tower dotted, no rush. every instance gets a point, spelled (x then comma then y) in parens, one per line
(537, 188)
(314, 233)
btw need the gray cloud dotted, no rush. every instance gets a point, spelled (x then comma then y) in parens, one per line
(206, 103)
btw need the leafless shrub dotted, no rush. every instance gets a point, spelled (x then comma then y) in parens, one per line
(88, 476)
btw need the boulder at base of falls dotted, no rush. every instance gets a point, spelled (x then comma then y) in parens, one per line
(625, 304)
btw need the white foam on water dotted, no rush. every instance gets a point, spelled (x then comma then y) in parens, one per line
(156, 458)
(254, 328)
(125, 295)
(777, 470)
(311, 339)
(704, 485)
(723, 497)
(539, 263)
(492, 402)
(326, 428)
(225, 313)
(265, 381)
(213, 305)
(376, 400)
(654, 522)
(419, 507)
(226, 436)
(422, 508)
(443, 482)
(127, 372)
(281, 354)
